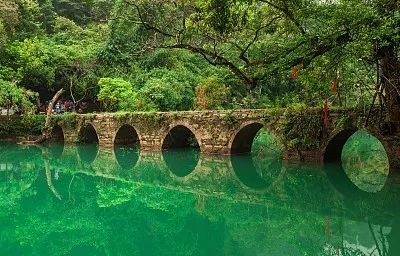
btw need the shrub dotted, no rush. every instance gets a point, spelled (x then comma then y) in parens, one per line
(212, 94)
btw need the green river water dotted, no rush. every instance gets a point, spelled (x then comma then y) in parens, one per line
(78, 200)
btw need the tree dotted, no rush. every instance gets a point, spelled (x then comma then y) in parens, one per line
(48, 16)
(9, 19)
(11, 94)
(33, 61)
(212, 94)
(116, 94)
(257, 38)
(206, 29)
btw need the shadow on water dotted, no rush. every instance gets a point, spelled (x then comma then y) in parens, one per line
(87, 152)
(181, 162)
(127, 155)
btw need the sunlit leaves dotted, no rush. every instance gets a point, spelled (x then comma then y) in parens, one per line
(11, 94)
(116, 94)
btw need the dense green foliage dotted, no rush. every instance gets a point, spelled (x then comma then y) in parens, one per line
(148, 55)
(11, 94)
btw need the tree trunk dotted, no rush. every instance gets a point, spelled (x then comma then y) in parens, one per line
(389, 67)
(390, 79)
(49, 178)
(46, 132)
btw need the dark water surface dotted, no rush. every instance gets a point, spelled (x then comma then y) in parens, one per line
(78, 200)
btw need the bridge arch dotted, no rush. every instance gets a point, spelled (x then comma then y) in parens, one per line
(181, 163)
(182, 136)
(57, 134)
(242, 140)
(88, 143)
(333, 150)
(88, 134)
(126, 135)
(126, 146)
(335, 170)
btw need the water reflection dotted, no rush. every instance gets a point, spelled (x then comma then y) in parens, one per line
(340, 180)
(356, 163)
(56, 149)
(148, 213)
(181, 162)
(365, 162)
(247, 172)
(87, 152)
(13, 154)
(255, 172)
(127, 155)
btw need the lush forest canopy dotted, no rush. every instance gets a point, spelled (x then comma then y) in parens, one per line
(209, 54)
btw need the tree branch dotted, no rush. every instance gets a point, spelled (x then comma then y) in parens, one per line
(285, 10)
(46, 132)
(244, 51)
(216, 60)
(146, 24)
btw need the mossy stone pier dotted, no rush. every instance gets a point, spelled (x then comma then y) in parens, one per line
(304, 135)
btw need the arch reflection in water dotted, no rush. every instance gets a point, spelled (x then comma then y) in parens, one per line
(259, 168)
(88, 146)
(256, 172)
(127, 155)
(126, 147)
(181, 162)
(56, 150)
(88, 152)
(356, 163)
(181, 151)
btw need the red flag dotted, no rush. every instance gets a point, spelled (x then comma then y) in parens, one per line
(335, 86)
(294, 73)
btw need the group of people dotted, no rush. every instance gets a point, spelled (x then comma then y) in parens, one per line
(14, 110)
(63, 106)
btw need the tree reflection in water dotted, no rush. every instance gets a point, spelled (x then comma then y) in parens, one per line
(114, 214)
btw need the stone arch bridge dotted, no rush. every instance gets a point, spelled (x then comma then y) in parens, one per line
(303, 135)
